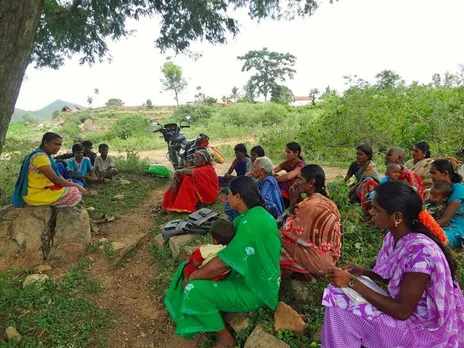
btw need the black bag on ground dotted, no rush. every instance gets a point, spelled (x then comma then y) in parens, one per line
(198, 222)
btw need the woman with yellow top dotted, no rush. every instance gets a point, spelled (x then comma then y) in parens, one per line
(420, 163)
(39, 182)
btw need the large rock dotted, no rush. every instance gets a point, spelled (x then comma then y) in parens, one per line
(287, 318)
(23, 234)
(261, 339)
(72, 234)
(159, 241)
(177, 242)
(31, 235)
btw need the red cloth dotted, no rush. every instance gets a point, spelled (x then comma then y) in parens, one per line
(414, 180)
(190, 268)
(367, 187)
(200, 187)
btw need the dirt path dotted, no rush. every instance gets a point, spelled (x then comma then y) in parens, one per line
(139, 317)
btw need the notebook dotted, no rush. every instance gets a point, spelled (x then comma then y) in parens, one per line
(357, 298)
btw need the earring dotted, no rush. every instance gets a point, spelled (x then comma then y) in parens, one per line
(396, 223)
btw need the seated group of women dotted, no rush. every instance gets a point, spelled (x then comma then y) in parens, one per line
(424, 306)
(421, 172)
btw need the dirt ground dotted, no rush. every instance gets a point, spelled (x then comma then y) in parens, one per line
(140, 319)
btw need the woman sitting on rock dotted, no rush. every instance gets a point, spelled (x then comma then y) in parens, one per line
(420, 163)
(291, 166)
(311, 239)
(241, 165)
(192, 186)
(196, 302)
(424, 306)
(367, 177)
(452, 219)
(39, 182)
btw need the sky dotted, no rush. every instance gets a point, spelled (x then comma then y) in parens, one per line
(415, 38)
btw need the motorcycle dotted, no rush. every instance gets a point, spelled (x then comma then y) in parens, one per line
(181, 150)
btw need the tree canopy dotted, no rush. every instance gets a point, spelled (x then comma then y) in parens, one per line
(270, 68)
(67, 27)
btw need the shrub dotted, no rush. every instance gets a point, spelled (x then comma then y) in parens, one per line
(253, 115)
(130, 126)
(196, 113)
(69, 132)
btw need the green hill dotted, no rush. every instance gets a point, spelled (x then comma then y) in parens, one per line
(44, 113)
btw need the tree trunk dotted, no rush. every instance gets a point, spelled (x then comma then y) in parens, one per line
(177, 98)
(18, 24)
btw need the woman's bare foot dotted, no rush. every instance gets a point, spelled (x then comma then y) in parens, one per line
(226, 340)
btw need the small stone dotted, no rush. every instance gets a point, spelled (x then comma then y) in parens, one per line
(111, 218)
(142, 334)
(159, 241)
(95, 229)
(287, 318)
(238, 321)
(187, 251)
(93, 193)
(177, 242)
(103, 240)
(33, 278)
(90, 209)
(118, 197)
(43, 268)
(117, 245)
(261, 339)
(12, 334)
(299, 290)
(124, 182)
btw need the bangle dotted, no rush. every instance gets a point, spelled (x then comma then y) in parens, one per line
(188, 279)
(351, 283)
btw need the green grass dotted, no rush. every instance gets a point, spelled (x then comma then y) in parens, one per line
(55, 314)
(134, 194)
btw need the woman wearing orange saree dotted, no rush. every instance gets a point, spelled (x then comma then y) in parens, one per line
(311, 239)
(192, 186)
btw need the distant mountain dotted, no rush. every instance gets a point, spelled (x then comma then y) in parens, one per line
(44, 113)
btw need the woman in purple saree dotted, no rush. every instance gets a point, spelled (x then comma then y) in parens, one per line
(424, 306)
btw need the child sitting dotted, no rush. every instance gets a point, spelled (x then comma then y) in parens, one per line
(222, 232)
(241, 165)
(104, 165)
(393, 172)
(438, 198)
(79, 167)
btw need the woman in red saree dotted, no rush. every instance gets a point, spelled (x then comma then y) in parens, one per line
(311, 240)
(192, 186)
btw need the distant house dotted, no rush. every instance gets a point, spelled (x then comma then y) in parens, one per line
(224, 101)
(300, 101)
(71, 108)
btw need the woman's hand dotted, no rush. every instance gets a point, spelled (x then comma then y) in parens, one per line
(185, 282)
(338, 277)
(178, 173)
(355, 270)
(295, 195)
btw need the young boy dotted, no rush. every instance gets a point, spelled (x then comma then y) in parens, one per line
(87, 145)
(438, 198)
(79, 167)
(222, 232)
(104, 165)
(393, 172)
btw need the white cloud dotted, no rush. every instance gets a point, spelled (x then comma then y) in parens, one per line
(416, 38)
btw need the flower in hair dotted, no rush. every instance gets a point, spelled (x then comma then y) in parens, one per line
(429, 222)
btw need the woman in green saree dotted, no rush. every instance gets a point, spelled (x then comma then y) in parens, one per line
(195, 303)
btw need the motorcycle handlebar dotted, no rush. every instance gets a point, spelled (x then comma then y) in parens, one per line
(157, 130)
(184, 127)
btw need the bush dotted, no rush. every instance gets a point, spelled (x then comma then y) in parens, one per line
(196, 113)
(253, 115)
(130, 126)
(69, 132)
